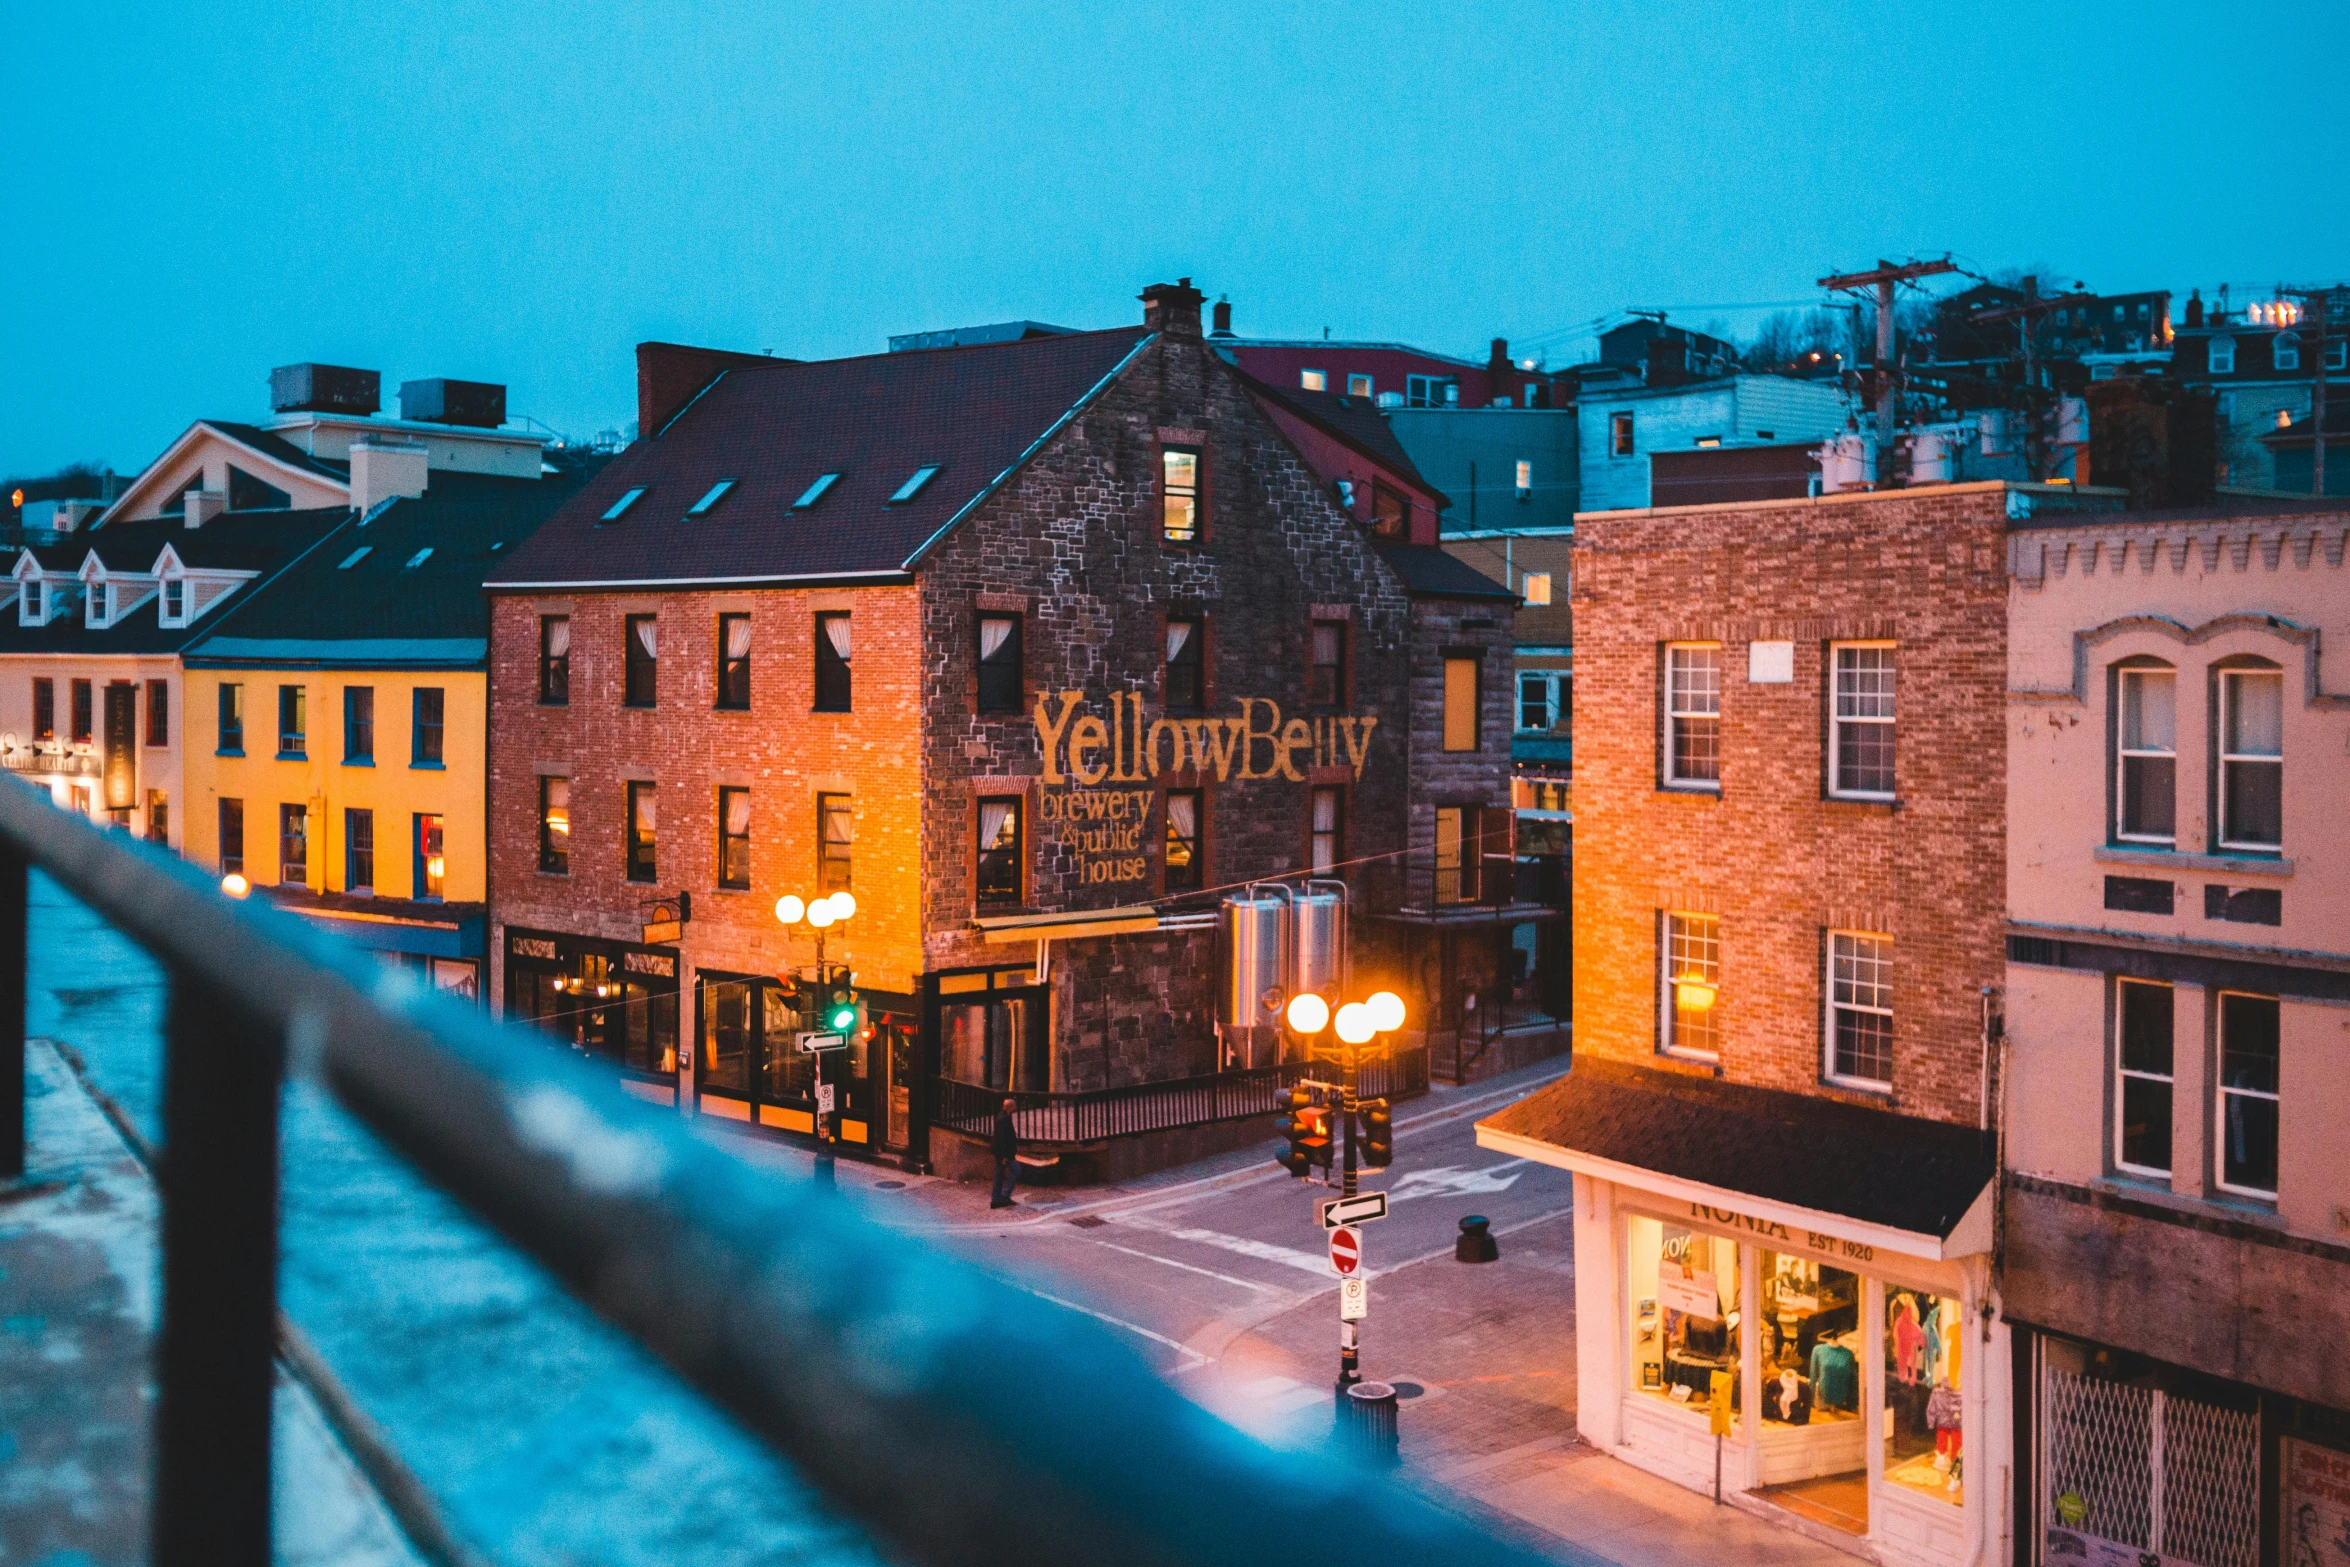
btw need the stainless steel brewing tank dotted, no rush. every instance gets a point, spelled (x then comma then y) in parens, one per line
(1256, 958)
(1318, 943)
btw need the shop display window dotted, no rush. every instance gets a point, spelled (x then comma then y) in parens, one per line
(1810, 1342)
(1683, 1291)
(1924, 1340)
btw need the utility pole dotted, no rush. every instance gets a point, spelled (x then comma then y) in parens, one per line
(1886, 276)
(2320, 312)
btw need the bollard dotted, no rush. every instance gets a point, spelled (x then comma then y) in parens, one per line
(1367, 1425)
(1476, 1243)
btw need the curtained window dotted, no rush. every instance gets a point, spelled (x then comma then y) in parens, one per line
(999, 663)
(734, 838)
(554, 660)
(832, 663)
(555, 826)
(1186, 864)
(1184, 683)
(999, 851)
(734, 661)
(835, 839)
(640, 832)
(642, 653)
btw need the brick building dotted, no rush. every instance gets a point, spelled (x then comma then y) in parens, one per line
(1791, 816)
(1037, 646)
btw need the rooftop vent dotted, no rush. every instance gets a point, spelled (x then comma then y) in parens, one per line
(477, 405)
(326, 389)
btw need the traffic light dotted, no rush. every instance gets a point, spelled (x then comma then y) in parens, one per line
(843, 1011)
(1307, 1128)
(1378, 1134)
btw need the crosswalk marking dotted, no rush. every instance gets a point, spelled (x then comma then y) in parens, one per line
(1152, 1256)
(1263, 1251)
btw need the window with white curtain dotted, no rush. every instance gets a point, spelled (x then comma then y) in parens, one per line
(1184, 685)
(734, 838)
(554, 660)
(832, 662)
(999, 663)
(2146, 755)
(734, 662)
(999, 850)
(2252, 759)
(641, 636)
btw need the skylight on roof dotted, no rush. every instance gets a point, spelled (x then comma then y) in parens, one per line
(913, 487)
(418, 559)
(355, 557)
(628, 499)
(815, 492)
(717, 494)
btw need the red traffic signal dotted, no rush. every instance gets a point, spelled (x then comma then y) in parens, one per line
(1378, 1133)
(1306, 1128)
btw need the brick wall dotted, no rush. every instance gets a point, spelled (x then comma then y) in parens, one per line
(1778, 862)
(780, 749)
(1076, 542)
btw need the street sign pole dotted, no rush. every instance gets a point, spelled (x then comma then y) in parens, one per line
(825, 1174)
(1349, 1330)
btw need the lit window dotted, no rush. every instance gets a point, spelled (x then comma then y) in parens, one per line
(1860, 1008)
(1860, 761)
(1462, 679)
(1180, 493)
(734, 838)
(2146, 788)
(836, 841)
(2252, 759)
(716, 493)
(1358, 386)
(815, 492)
(2288, 351)
(355, 557)
(554, 660)
(1314, 380)
(999, 851)
(620, 506)
(555, 825)
(2142, 1061)
(1619, 435)
(2223, 356)
(641, 820)
(1184, 861)
(913, 486)
(418, 559)
(2248, 1094)
(1534, 587)
(1709, 440)
(1326, 833)
(1525, 480)
(1693, 715)
(1692, 980)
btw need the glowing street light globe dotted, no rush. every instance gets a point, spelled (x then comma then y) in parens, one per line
(1308, 1013)
(790, 909)
(1386, 1009)
(1354, 1023)
(842, 905)
(820, 913)
(235, 885)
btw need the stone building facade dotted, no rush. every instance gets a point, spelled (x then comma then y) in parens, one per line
(1045, 656)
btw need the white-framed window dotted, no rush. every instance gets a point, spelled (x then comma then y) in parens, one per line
(1693, 715)
(2337, 354)
(1538, 699)
(174, 609)
(1314, 380)
(2223, 356)
(2143, 1077)
(2252, 759)
(30, 608)
(1431, 391)
(1534, 587)
(1358, 386)
(2287, 351)
(1860, 1009)
(1860, 744)
(1690, 985)
(2146, 761)
(2246, 1159)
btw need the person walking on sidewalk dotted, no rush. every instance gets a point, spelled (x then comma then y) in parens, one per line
(1007, 1156)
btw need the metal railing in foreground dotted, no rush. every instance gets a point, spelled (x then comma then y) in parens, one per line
(958, 1418)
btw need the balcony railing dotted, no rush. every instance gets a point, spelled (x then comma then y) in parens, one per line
(1071, 1119)
(1432, 886)
(957, 1418)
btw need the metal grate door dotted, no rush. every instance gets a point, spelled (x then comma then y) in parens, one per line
(2146, 1469)
(2210, 1483)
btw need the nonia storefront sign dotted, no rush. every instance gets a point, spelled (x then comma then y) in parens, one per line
(1086, 746)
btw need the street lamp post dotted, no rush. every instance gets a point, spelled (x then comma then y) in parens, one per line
(820, 915)
(1356, 1023)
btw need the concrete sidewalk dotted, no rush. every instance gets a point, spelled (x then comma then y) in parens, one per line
(1486, 1355)
(78, 1267)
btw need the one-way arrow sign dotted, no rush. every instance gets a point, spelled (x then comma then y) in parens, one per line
(1353, 1210)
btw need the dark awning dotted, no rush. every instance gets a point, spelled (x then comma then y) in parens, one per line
(1762, 1154)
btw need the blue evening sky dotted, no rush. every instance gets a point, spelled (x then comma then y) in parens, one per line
(520, 193)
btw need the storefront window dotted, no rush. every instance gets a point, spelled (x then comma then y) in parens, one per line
(1684, 1295)
(1924, 1336)
(1811, 1344)
(790, 1071)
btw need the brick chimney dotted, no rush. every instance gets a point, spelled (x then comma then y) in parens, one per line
(671, 375)
(1223, 319)
(1172, 308)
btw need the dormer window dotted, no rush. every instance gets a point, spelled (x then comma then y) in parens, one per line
(913, 486)
(716, 494)
(175, 600)
(34, 602)
(2223, 356)
(620, 507)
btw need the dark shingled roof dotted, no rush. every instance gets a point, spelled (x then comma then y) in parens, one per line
(380, 598)
(774, 429)
(1900, 1171)
(257, 541)
(1355, 420)
(1429, 572)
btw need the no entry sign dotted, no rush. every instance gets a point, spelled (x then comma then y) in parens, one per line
(1346, 1252)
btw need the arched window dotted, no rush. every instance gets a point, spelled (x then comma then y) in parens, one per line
(2288, 351)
